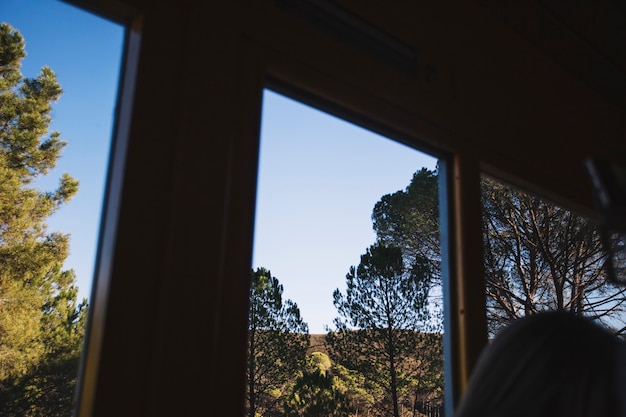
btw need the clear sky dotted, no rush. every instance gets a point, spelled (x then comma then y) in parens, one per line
(319, 179)
(319, 176)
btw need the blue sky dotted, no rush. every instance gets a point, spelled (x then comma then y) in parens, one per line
(319, 176)
(319, 179)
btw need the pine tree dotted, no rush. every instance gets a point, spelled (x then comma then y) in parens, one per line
(318, 390)
(41, 323)
(278, 339)
(381, 319)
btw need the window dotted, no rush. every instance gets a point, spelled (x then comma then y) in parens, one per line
(343, 216)
(44, 329)
(539, 256)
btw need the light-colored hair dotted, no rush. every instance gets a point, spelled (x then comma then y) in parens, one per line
(552, 364)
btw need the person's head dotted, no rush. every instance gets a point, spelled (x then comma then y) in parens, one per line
(548, 364)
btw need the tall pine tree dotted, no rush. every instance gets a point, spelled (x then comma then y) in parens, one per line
(41, 323)
(379, 332)
(278, 340)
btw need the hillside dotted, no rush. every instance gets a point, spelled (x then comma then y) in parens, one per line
(318, 344)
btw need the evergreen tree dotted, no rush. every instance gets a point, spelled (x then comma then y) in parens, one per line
(41, 325)
(409, 219)
(381, 317)
(278, 340)
(318, 391)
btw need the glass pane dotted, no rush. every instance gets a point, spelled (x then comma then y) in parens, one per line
(57, 91)
(539, 256)
(346, 314)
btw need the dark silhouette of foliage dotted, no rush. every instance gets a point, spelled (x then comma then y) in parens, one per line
(537, 255)
(47, 391)
(382, 315)
(409, 219)
(278, 339)
(540, 257)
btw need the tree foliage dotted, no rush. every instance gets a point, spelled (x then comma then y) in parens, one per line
(278, 340)
(320, 390)
(537, 256)
(409, 219)
(41, 324)
(379, 331)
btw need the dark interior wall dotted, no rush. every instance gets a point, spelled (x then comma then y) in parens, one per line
(168, 321)
(493, 92)
(170, 303)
